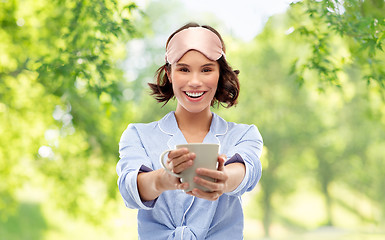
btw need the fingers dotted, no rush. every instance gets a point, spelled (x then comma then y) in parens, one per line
(212, 196)
(182, 186)
(177, 153)
(180, 159)
(215, 174)
(183, 165)
(216, 188)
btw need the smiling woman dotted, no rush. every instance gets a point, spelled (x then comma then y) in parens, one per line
(197, 74)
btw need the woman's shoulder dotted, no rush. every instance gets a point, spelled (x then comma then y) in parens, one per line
(142, 126)
(233, 125)
(241, 127)
(235, 129)
(150, 126)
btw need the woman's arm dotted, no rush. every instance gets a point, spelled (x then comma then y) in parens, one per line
(152, 184)
(236, 173)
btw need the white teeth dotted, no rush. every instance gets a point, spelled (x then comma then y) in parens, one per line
(194, 94)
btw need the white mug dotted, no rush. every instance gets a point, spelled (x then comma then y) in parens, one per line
(206, 156)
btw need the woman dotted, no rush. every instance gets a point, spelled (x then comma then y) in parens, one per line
(197, 74)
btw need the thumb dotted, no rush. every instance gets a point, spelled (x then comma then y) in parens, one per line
(221, 162)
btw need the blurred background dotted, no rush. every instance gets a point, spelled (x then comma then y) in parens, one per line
(74, 74)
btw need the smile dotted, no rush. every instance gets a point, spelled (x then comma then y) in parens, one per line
(194, 94)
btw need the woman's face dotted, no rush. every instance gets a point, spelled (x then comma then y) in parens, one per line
(194, 81)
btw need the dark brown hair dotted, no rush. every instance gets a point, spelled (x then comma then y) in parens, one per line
(228, 83)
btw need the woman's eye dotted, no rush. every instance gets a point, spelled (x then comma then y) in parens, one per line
(207, 70)
(183, 69)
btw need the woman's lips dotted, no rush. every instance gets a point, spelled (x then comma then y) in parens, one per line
(195, 94)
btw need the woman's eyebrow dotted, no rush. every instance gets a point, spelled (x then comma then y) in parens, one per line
(208, 65)
(186, 65)
(182, 65)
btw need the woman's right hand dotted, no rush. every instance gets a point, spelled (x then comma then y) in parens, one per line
(178, 161)
(152, 184)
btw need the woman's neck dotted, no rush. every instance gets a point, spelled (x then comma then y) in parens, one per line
(194, 126)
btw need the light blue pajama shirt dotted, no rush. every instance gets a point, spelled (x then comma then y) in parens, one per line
(174, 214)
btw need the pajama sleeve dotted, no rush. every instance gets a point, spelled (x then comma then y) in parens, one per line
(133, 160)
(248, 149)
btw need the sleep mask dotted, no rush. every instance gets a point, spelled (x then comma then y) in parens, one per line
(194, 38)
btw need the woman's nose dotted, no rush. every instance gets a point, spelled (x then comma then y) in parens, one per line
(195, 80)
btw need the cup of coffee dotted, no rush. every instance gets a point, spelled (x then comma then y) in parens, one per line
(206, 156)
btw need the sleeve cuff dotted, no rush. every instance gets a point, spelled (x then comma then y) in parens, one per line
(235, 159)
(147, 204)
(238, 159)
(144, 168)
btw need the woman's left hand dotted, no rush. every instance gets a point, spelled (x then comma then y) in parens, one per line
(216, 188)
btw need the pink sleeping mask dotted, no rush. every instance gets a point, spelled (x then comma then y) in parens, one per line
(194, 38)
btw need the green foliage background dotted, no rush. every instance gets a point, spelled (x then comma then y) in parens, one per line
(73, 74)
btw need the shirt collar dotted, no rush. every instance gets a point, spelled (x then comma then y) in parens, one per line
(169, 125)
(218, 125)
